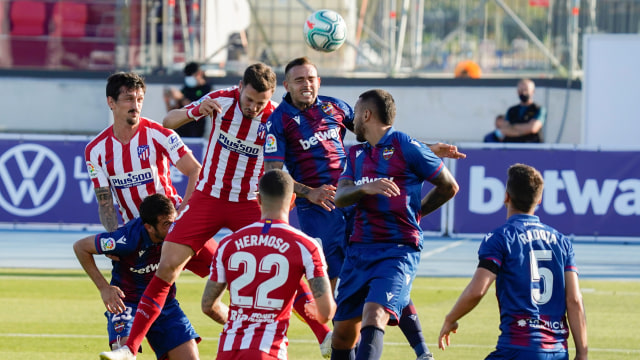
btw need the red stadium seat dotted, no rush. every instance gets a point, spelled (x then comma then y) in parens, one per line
(28, 44)
(27, 18)
(69, 19)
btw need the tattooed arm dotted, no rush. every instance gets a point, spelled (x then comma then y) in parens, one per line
(106, 208)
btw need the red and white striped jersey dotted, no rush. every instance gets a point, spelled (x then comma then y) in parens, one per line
(233, 162)
(262, 264)
(137, 169)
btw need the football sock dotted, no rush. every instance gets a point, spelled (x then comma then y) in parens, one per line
(149, 308)
(337, 354)
(412, 329)
(304, 296)
(371, 342)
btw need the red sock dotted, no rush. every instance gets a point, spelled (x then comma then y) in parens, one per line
(302, 297)
(149, 308)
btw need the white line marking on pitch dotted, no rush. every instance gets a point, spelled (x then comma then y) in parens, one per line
(435, 251)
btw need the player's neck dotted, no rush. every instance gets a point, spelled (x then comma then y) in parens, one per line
(275, 215)
(123, 131)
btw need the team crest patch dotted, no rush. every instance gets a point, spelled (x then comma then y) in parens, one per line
(328, 109)
(262, 131)
(143, 152)
(107, 244)
(118, 327)
(387, 153)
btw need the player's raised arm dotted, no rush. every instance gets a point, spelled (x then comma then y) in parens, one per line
(178, 117)
(189, 166)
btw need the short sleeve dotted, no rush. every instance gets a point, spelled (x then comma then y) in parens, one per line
(421, 159)
(491, 249)
(275, 142)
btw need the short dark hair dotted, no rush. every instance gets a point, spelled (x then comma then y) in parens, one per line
(383, 103)
(275, 184)
(129, 80)
(524, 186)
(154, 206)
(260, 76)
(298, 62)
(191, 68)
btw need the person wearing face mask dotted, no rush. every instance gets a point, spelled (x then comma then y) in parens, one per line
(524, 121)
(195, 87)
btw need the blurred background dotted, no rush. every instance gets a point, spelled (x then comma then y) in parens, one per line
(392, 37)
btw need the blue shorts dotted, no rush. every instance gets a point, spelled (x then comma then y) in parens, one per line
(333, 228)
(171, 329)
(378, 273)
(516, 354)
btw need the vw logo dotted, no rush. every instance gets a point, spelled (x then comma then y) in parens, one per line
(33, 179)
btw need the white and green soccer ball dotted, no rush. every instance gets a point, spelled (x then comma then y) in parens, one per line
(325, 30)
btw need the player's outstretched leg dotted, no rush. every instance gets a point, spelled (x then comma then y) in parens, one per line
(321, 331)
(412, 329)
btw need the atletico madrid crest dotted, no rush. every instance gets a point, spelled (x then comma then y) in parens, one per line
(143, 152)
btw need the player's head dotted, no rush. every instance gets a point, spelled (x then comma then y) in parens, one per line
(125, 95)
(526, 88)
(256, 88)
(302, 82)
(157, 213)
(524, 187)
(275, 191)
(376, 104)
(193, 76)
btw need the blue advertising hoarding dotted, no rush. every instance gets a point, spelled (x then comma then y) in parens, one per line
(587, 193)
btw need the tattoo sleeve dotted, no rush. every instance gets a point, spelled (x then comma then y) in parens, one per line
(319, 286)
(106, 209)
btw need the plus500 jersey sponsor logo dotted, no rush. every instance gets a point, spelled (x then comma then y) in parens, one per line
(600, 195)
(234, 144)
(331, 134)
(131, 179)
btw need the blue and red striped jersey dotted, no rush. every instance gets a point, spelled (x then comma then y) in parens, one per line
(139, 258)
(532, 259)
(309, 142)
(408, 163)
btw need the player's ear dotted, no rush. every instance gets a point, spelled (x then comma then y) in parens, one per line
(259, 199)
(240, 85)
(292, 203)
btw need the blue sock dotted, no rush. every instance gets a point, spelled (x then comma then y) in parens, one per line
(371, 342)
(412, 329)
(337, 354)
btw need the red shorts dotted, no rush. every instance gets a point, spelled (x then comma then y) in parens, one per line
(204, 216)
(248, 354)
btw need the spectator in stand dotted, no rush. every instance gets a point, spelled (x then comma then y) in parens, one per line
(496, 134)
(524, 121)
(195, 87)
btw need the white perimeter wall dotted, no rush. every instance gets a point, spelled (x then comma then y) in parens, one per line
(452, 114)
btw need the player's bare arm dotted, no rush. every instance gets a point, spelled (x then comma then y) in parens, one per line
(443, 150)
(178, 117)
(111, 295)
(348, 193)
(323, 196)
(190, 167)
(212, 304)
(445, 188)
(468, 300)
(576, 314)
(325, 305)
(106, 208)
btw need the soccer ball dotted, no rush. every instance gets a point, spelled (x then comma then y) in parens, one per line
(325, 30)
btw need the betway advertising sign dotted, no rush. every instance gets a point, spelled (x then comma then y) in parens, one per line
(44, 179)
(587, 193)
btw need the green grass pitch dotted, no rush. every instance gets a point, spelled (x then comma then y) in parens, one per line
(58, 314)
